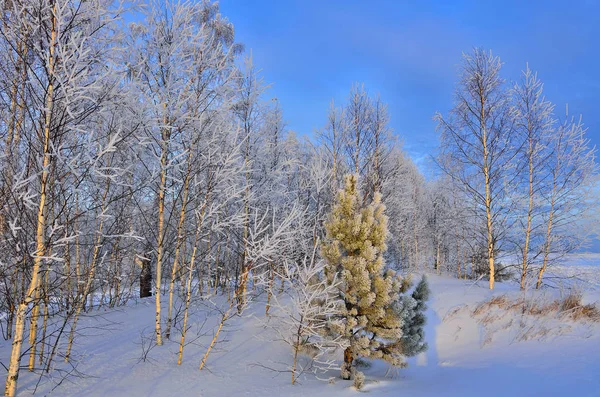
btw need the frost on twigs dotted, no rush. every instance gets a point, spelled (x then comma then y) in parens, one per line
(301, 313)
(359, 379)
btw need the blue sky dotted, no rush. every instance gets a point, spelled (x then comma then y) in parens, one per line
(312, 51)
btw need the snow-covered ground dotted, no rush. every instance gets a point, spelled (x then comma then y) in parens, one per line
(582, 269)
(470, 354)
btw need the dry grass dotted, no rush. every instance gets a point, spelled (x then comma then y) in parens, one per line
(570, 302)
(453, 313)
(537, 318)
(569, 306)
(500, 301)
(542, 309)
(572, 306)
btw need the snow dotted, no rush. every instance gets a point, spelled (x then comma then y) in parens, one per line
(459, 362)
(583, 269)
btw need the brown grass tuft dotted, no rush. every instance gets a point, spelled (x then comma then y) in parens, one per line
(500, 301)
(572, 306)
(570, 302)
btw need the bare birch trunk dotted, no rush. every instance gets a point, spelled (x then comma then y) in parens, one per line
(68, 288)
(242, 296)
(46, 313)
(83, 297)
(546, 249)
(529, 216)
(297, 349)
(217, 269)
(208, 251)
(224, 318)
(78, 290)
(35, 313)
(180, 239)
(188, 295)
(270, 289)
(547, 243)
(15, 356)
(161, 225)
(488, 194)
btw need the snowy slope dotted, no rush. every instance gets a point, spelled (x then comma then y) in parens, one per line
(460, 361)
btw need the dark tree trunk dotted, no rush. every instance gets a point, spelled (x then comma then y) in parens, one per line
(146, 279)
(347, 365)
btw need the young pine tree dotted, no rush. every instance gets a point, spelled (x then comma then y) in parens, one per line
(372, 315)
(413, 308)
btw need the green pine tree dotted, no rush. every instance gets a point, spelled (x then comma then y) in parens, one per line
(412, 311)
(371, 315)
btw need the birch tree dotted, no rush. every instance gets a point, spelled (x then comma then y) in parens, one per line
(68, 80)
(249, 113)
(358, 134)
(383, 144)
(332, 138)
(266, 236)
(183, 60)
(215, 187)
(477, 145)
(533, 121)
(570, 196)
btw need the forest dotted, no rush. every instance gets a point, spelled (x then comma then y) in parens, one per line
(143, 159)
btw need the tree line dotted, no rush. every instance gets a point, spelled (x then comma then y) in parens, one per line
(527, 177)
(142, 156)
